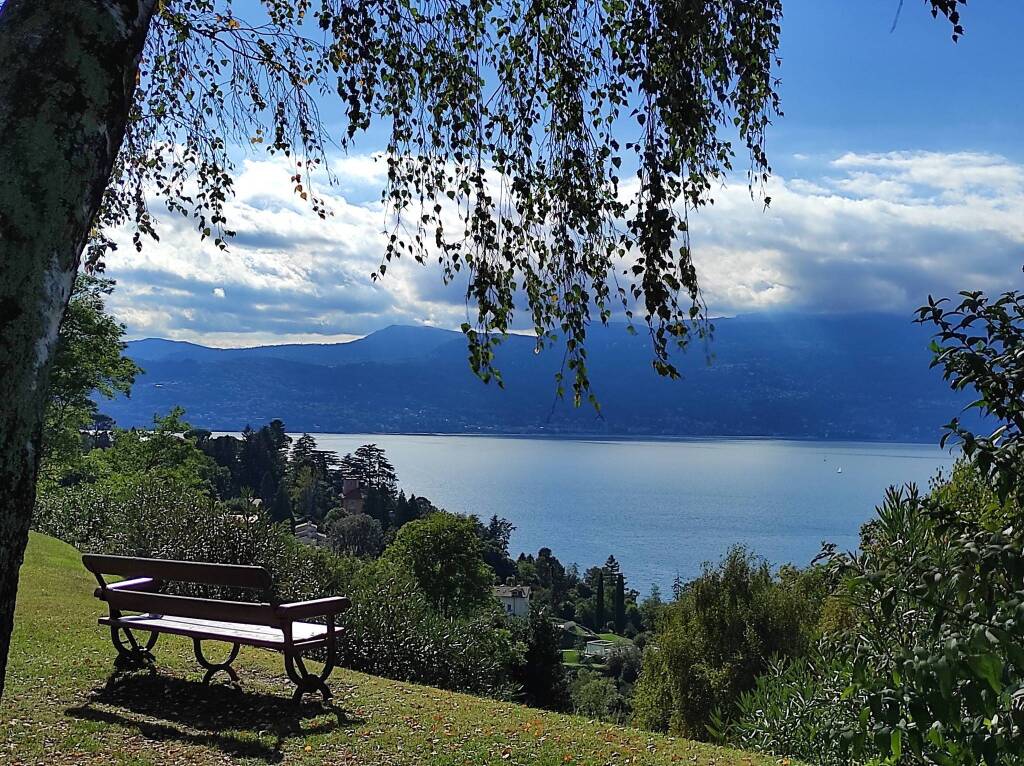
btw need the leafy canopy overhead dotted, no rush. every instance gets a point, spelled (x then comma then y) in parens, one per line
(545, 153)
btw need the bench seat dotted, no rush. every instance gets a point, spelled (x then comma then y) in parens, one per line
(306, 635)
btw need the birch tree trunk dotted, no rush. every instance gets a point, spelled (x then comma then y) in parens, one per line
(67, 75)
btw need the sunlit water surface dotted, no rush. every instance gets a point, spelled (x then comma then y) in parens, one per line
(662, 507)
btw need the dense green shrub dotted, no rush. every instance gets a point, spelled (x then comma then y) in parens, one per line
(139, 517)
(623, 663)
(936, 650)
(356, 534)
(595, 696)
(798, 708)
(392, 630)
(167, 453)
(973, 496)
(717, 636)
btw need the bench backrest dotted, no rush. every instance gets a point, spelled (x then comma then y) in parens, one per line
(146, 575)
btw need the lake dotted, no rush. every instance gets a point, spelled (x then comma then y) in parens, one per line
(661, 507)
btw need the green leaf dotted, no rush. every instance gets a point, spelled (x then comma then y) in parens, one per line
(989, 668)
(896, 743)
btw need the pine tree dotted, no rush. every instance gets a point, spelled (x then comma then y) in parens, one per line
(620, 604)
(380, 506)
(541, 673)
(303, 454)
(278, 435)
(406, 510)
(248, 463)
(268, 488)
(371, 467)
(225, 452)
(281, 507)
(599, 603)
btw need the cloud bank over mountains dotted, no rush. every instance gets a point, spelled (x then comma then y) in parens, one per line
(851, 232)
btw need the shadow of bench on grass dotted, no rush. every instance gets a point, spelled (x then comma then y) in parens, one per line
(238, 722)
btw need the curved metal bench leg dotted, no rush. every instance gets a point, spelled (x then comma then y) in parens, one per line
(213, 667)
(130, 652)
(306, 682)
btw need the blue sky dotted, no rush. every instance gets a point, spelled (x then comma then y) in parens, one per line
(899, 172)
(851, 85)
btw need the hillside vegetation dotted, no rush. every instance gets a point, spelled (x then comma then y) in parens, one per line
(59, 709)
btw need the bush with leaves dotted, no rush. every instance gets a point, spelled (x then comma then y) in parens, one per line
(716, 637)
(623, 663)
(937, 649)
(356, 534)
(167, 453)
(925, 664)
(595, 696)
(392, 630)
(446, 557)
(137, 517)
(798, 708)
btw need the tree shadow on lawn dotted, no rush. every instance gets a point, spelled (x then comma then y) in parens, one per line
(240, 723)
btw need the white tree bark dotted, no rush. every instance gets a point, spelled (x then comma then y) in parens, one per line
(67, 75)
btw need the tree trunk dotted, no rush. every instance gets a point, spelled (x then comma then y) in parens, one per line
(67, 75)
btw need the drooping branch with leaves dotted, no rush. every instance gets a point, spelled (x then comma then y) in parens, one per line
(545, 153)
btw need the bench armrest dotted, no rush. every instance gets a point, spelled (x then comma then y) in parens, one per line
(135, 584)
(321, 607)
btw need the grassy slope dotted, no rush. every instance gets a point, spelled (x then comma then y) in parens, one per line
(57, 710)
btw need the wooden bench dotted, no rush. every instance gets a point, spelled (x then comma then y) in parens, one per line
(265, 623)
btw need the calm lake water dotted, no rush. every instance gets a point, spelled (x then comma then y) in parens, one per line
(662, 507)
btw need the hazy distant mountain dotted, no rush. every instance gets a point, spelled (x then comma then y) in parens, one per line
(842, 377)
(393, 343)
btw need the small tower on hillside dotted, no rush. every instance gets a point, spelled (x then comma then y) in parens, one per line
(352, 496)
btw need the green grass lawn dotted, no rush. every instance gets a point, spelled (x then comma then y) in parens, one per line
(614, 638)
(57, 709)
(571, 656)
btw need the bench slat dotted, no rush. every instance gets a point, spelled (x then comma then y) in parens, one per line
(230, 575)
(187, 606)
(306, 635)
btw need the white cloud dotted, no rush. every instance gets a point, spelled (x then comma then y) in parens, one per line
(869, 232)
(954, 171)
(286, 275)
(875, 232)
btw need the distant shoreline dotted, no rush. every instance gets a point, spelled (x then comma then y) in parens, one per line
(599, 437)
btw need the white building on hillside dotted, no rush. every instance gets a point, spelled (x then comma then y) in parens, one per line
(599, 648)
(307, 534)
(515, 599)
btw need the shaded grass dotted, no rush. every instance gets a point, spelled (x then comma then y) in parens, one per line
(62, 705)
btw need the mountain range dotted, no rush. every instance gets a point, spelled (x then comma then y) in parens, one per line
(863, 377)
